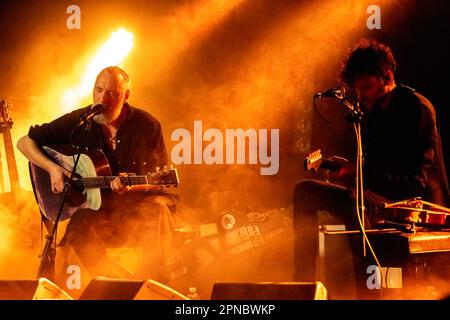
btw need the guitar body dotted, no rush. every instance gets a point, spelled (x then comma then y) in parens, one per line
(92, 163)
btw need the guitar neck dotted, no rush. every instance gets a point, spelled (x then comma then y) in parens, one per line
(322, 163)
(105, 181)
(10, 159)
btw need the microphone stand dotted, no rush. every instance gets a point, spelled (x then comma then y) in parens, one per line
(46, 267)
(355, 117)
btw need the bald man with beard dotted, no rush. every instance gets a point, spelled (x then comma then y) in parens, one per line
(132, 141)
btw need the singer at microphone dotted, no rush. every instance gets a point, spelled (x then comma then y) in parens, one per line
(333, 92)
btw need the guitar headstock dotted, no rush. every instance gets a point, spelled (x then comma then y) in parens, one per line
(313, 161)
(5, 114)
(164, 177)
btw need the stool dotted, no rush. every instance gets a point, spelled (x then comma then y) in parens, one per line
(410, 256)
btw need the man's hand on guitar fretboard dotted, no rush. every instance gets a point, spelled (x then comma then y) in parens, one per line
(344, 169)
(337, 168)
(120, 188)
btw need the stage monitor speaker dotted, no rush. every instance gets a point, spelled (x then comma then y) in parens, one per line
(269, 291)
(102, 288)
(31, 289)
(153, 290)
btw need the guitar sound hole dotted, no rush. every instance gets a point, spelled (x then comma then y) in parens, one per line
(75, 186)
(75, 196)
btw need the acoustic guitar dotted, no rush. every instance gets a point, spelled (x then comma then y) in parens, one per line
(93, 174)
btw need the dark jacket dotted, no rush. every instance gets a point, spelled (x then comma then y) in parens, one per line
(402, 148)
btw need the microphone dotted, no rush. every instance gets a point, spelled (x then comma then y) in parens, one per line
(330, 92)
(95, 110)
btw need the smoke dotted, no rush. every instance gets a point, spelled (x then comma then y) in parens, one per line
(19, 230)
(251, 70)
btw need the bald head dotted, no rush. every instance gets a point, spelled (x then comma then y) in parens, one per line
(119, 73)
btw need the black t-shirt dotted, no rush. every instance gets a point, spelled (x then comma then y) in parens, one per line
(140, 145)
(402, 148)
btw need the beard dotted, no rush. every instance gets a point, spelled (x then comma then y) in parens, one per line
(108, 115)
(100, 118)
(105, 117)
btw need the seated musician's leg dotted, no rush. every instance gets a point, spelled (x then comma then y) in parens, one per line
(86, 233)
(155, 236)
(309, 197)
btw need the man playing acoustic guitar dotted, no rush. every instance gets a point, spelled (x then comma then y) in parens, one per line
(132, 141)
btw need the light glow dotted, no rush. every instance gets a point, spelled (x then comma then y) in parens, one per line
(112, 53)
